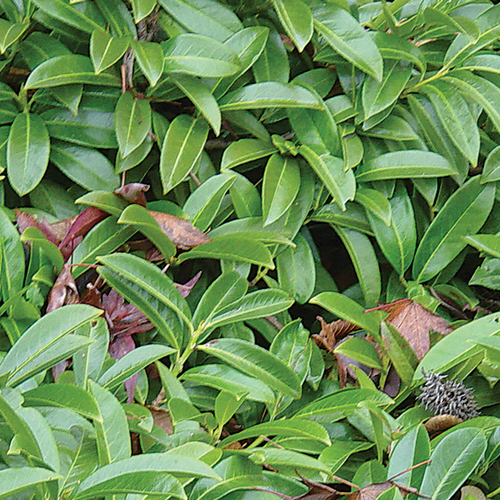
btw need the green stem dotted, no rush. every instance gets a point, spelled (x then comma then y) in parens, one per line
(179, 363)
(442, 72)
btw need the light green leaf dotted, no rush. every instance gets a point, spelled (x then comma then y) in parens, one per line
(142, 8)
(257, 362)
(487, 243)
(105, 49)
(150, 58)
(16, 480)
(27, 152)
(181, 149)
(245, 150)
(360, 350)
(10, 33)
(296, 18)
(463, 214)
(491, 169)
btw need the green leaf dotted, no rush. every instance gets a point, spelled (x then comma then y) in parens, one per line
(181, 150)
(245, 198)
(456, 118)
(149, 289)
(296, 18)
(379, 95)
(375, 203)
(269, 95)
(131, 363)
(142, 8)
(392, 46)
(87, 167)
(206, 17)
(464, 213)
(354, 217)
(338, 405)
(491, 169)
(10, 33)
(140, 218)
(104, 200)
(16, 480)
(393, 128)
(405, 165)
(201, 96)
(43, 334)
(90, 127)
(12, 266)
(226, 405)
(272, 65)
(257, 362)
(70, 96)
(280, 186)
(365, 263)
(458, 346)
(398, 239)
(488, 243)
(150, 58)
(232, 247)
(199, 55)
(348, 37)
(67, 14)
(117, 17)
(27, 152)
(132, 122)
(64, 70)
(254, 305)
(360, 350)
(452, 462)
(413, 448)
(337, 454)
(112, 432)
(340, 183)
(105, 49)
(66, 396)
(243, 151)
(346, 308)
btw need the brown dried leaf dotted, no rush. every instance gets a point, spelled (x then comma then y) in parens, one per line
(182, 233)
(64, 291)
(331, 332)
(373, 491)
(133, 193)
(440, 423)
(414, 322)
(186, 288)
(161, 418)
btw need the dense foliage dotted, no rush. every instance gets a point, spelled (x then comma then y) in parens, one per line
(194, 187)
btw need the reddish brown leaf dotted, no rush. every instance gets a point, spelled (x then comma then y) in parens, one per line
(414, 323)
(50, 231)
(64, 291)
(373, 491)
(331, 332)
(182, 233)
(133, 193)
(186, 288)
(120, 346)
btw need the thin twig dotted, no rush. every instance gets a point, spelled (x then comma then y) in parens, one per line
(195, 179)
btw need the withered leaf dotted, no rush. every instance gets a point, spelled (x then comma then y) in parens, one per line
(133, 193)
(64, 291)
(186, 288)
(182, 233)
(331, 332)
(414, 322)
(161, 418)
(373, 491)
(440, 423)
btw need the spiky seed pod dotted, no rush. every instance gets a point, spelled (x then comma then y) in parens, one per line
(447, 397)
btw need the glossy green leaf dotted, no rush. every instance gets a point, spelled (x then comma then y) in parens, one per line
(67, 396)
(393, 128)
(269, 95)
(346, 308)
(150, 59)
(452, 462)
(347, 37)
(12, 265)
(232, 247)
(105, 49)
(245, 150)
(398, 239)
(353, 217)
(360, 350)
(392, 46)
(87, 167)
(245, 198)
(296, 18)
(181, 149)
(27, 152)
(138, 217)
(67, 14)
(375, 203)
(340, 183)
(202, 98)
(131, 363)
(365, 263)
(456, 118)
(132, 122)
(337, 454)
(112, 432)
(16, 480)
(142, 8)
(206, 17)
(109, 202)
(487, 243)
(64, 70)
(463, 214)
(10, 33)
(204, 203)
(43, 334)
(280, 186)
(199, 56)
(226, 405)
(491, 169)
(257, 362)
(272, 64)
(92, 128)
(403, 165)
(458, 346)
(118, 17)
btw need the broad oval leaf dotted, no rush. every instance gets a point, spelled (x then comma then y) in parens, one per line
(105, 49)
(27, 152)
(405, 165)
(463, 214)
(64, 70)
(255, 361)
